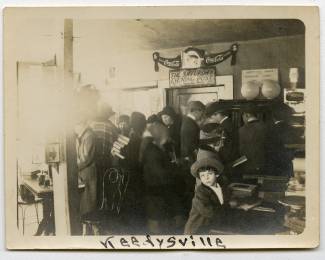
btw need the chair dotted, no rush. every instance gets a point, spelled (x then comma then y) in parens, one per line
(26, 199)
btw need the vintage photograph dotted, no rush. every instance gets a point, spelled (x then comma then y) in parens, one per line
(143, 132)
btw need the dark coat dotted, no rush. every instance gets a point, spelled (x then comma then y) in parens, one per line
(229, 152)
(174, 132)
(190, 138)
(207, 211)
(278, 157)
(159, 183)
(252, 141)
(157, 169)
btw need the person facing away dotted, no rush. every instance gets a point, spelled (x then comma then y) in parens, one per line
(162, 204)
(171, 120)
(146, 136)
(211, 196)
(190, 140)
(137, 127)
(87, 176)
(132, 211)
(278, 157)
(124, 125)
(190, 130)
(218, 113)
(252, 140)
(106, 134)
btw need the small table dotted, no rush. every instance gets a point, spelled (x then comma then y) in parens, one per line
(46, 226)
(38, 190)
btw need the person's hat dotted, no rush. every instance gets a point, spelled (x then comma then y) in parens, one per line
(281, 111)
(206, 137)
(105, 109)
(159, 132)
(249, 108)
(209, 127)
(124, 118)
(138, 122)
(168, 111)
(152, 119)
(206, 159)
(195, 105)
(216, 107)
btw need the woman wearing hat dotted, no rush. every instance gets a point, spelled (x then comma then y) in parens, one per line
(211, 196)
(171, 120)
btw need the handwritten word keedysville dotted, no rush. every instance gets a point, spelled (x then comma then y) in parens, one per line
(149, 242)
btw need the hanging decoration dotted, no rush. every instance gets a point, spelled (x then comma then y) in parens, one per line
(173, 63)
(192, 58)
(213, 59)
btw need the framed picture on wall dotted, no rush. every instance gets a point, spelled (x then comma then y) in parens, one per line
(52, 153)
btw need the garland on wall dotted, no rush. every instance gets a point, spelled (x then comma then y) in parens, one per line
(195, 58)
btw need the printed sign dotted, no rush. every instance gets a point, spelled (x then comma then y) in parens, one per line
(259, 75)
(192, 77)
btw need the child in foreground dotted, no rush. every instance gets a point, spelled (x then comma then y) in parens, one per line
(210, 199)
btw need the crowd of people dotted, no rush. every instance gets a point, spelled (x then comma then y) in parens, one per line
(173, 176)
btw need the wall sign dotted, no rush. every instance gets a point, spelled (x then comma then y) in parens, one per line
(192, 77)
(195, 58)
(259, 75)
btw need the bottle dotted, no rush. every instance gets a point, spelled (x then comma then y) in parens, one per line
(293, 76)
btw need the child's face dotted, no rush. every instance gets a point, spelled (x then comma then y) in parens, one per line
(208, 177)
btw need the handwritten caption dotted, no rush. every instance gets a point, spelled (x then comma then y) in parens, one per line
(150, 242)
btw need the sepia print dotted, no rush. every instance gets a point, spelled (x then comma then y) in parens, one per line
(161, 127)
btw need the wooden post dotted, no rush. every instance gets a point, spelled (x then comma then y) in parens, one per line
(72, 170)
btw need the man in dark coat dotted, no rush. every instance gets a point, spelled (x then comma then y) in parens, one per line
(190, 130)
(279, 158)
(132, 214)
(218, 113)
(190, 140)
(162, 205)
(252, 141)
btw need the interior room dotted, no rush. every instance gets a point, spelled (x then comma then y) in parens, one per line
(240, 70)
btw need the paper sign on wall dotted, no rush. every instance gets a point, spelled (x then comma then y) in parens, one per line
(259, 75)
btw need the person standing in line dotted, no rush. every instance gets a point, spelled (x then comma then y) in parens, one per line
(190, 140)
(146, 136)
(162, 204)
(279, 133)
(124, 125)
(87, 175)
(252, 142)
(132, 210)
(106, 134)
(218, 113)
(171, 120)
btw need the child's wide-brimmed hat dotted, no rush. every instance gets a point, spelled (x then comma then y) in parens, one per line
(205, 159)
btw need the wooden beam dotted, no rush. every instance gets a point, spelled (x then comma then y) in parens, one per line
(71, 158)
